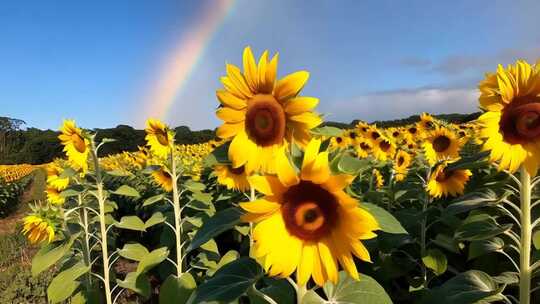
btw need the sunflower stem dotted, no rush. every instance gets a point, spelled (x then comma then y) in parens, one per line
(267, 298)
(177, 213)
(423, 227)
(301, 291)
(86, 244)
(525, 271)
(251, 199)
(103, 227)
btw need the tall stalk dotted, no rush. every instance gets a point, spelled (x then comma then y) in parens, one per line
(177, 213)
(86, 250)
(103, 227)
(525, 271)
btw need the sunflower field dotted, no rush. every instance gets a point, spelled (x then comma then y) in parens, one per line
(13, 181)
(282, 209)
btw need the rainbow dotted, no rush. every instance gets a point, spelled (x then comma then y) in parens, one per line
(183, 59)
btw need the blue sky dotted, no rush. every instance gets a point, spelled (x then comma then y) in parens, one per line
(94, 60)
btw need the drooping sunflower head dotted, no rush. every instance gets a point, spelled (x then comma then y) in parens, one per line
(38, 229)
(232, 178)
(311, 216)
(402, 161)
(159, 138)
(446, 182)
(441, 144)
(363, 147)
(53, 177)
(76, 145)
(54, 195)
(262, 114)
(164, 179)
(511, 123)
(383, 148)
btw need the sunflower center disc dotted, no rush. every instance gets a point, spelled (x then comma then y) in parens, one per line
(309, 211)
(400, 161)
(364, 146)
(520, 121)
(444, 175)
(78, 143)
(441, 143)
(265, 120)
(384, 145)
(162, 138)
(237, 171)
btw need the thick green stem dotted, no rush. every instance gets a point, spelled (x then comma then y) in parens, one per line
(103, 227)
(525, 271)
(177, 214)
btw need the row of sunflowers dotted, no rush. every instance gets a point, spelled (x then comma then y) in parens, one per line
(11, 173)
(282, 210)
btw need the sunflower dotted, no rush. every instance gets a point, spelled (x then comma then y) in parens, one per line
(159, 138)
(311, 216)
(53, 177)
(76, 145)
(443, 182)
(412, 130)
(394, 133)
(426, 123)
(38, 229)
(339, 142)
(362, 127)
(378, 179)
(363, 147)
(441, 144)
(373, 133)
(232, 178)
(383, 148)
(402, 162)
(262, 114)
(511, 123)
(352, 136)
(53, 195)
(164, 179)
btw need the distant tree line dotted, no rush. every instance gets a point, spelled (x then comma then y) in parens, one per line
(35, 146)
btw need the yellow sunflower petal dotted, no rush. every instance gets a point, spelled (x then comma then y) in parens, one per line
(268, 185)
(310, 119)
(250, 69)
(229, 100)
(305, 267)
(300, 105)
(290, 85)
(260, 206)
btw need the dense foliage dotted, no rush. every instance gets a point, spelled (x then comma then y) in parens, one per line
(10, 195)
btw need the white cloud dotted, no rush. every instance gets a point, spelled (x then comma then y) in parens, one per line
(402, 103)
